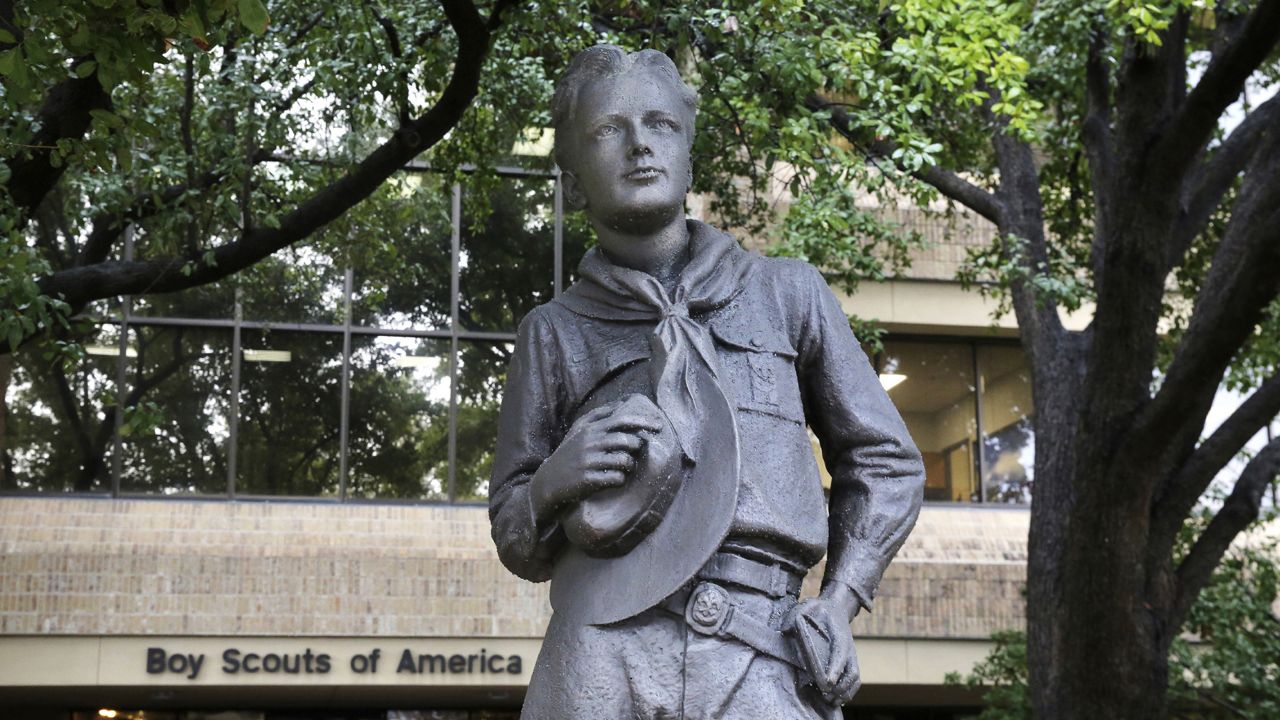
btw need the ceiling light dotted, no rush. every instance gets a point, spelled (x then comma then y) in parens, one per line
(891, 380)
(109, 351)
(267, 355)
(416, 361)
(535, 141)
(106, 713)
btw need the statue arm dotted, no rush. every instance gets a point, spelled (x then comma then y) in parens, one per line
(876, 471)
(528, 431)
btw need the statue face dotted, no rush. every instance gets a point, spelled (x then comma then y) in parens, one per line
(631, 161)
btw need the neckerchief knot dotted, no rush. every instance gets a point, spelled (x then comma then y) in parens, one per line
(683, 361)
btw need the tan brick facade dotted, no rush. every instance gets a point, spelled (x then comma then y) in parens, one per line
(947, 240)
(85, 566)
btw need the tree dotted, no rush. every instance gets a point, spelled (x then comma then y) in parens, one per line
(1094, 136)
(170, 119)
(1230, 670)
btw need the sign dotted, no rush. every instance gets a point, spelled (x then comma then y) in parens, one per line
(248, 661)
(162, 660)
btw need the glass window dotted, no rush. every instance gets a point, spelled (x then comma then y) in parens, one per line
(1008, 441)
(399, 418)
(482, 371)
(506, 261)
(932, 386)
(58, 421)
(300, 284)
(177, 425)
(401, 265)
(290, 406)
(215, 301)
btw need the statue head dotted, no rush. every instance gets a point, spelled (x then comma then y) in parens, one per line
(623, 133)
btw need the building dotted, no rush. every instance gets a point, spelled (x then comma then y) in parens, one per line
(290, 519)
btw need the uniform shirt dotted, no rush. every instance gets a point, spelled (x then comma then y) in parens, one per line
(787, 359)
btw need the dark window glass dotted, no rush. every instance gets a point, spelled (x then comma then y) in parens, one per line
(178, 411)
(506, 265)
(58, 419)
(932, 386)
(1008, 442)
(399, 427)
(482, 371)
(290, 403)
(401, 264)
(298, 285)
(215, 301)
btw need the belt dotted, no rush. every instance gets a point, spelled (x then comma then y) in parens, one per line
(772, 580)
(708, 610)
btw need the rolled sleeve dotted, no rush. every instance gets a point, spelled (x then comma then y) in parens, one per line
(528, 430)
(876, 471)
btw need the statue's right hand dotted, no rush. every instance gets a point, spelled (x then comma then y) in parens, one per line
(596, 454)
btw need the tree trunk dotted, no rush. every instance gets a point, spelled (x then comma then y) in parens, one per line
(1113, 654)
(1056, 419)
(1097, 642)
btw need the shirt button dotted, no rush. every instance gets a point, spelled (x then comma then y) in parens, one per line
(757, 342)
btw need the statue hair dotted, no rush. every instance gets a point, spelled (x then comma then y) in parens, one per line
(600, 62)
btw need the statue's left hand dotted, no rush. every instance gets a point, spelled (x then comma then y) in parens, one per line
(821, 628)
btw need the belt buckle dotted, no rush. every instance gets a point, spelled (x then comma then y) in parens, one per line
(708, 609)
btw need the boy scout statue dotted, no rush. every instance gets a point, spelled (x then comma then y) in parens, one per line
(652, 457)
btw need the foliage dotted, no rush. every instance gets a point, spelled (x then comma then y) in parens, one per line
(1226, 663)
(174, 430)
(1239, 671)
(1093, 134)
(1003, 675)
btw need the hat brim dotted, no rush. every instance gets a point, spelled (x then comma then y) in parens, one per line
(599, 591)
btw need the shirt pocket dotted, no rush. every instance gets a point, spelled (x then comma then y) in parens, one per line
(607, 367)
(760, 367)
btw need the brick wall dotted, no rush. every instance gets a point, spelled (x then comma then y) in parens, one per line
(947, 240)
(85, 566)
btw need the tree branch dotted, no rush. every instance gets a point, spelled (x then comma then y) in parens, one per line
(1023, 217)
(107, 227)
(188, 142)
(1239, 510)
(7, 24)
(63, 116)
(286, 103)
(944, 181)
(81, 285)
(1096, 131)
(298, 37)
(403, 111)
(1220, 85)
(90, 461)
(500, 8)
(1206, 187)
(1183, 489)
(1242, 280)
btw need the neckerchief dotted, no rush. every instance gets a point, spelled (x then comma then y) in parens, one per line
(681, 348)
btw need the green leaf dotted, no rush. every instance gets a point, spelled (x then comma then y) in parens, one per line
(253, 15)
(79, 39)
(9, 62)
(7, 37)
(124, 157)
(85, 69)
(108, 118)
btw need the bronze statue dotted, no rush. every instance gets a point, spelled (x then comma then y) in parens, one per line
(653, 460)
